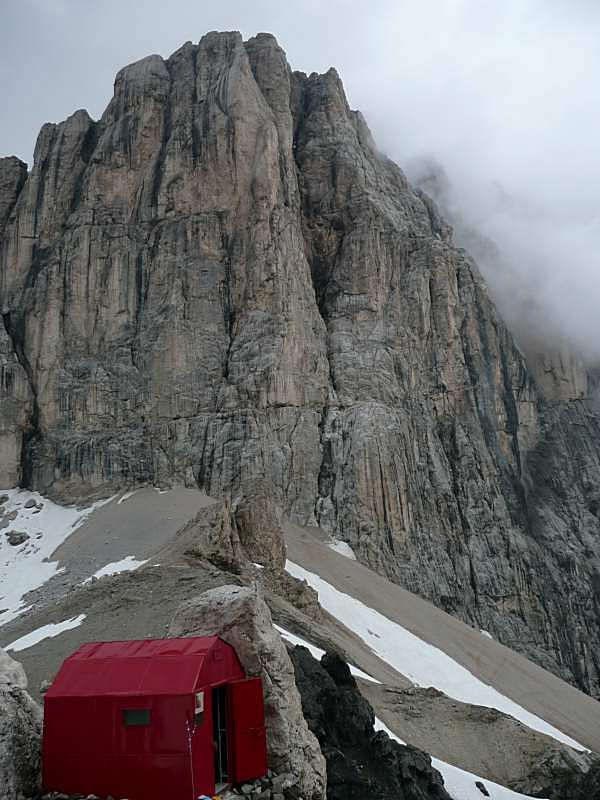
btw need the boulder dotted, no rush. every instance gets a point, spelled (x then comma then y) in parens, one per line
(15, 538)
(240, 616)
(7, 518)
(20, 734)
(11, 672)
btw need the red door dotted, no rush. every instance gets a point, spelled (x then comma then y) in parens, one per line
(248, 737)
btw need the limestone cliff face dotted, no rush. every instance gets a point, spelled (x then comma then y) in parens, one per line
(15, 387)
(222, 279)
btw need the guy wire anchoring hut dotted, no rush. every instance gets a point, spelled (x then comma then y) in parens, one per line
(165, 719)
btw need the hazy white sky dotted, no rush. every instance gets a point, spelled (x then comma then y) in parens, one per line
(502, 92)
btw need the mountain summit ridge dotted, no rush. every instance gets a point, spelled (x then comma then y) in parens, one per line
(222, 278)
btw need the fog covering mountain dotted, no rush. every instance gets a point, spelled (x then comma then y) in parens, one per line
(223, 278)
(563, 360)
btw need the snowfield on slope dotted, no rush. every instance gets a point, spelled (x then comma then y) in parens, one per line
(45, 632)
(422, 663)
(127, 564)
(26, 567)
(341, 547)
(461, 785)
(317, 653)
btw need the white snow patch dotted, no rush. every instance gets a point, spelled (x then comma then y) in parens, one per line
(341, 547)
(381, 726)
(45, 632)
(420, 662)
(460, 784)
(126, 496)
(26, 567)
(127, 564)
(317, 653)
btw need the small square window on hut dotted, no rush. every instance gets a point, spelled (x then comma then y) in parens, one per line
(133, 717)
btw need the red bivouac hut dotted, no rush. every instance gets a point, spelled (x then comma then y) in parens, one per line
(166, 719)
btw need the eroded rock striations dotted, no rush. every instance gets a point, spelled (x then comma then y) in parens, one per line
(222, 278)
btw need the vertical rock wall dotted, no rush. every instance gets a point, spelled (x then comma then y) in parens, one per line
(222, 279)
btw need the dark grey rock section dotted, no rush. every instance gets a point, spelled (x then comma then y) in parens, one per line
(360, 762)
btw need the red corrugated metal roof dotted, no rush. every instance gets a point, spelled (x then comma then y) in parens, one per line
(146, 667)
(144, 648)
